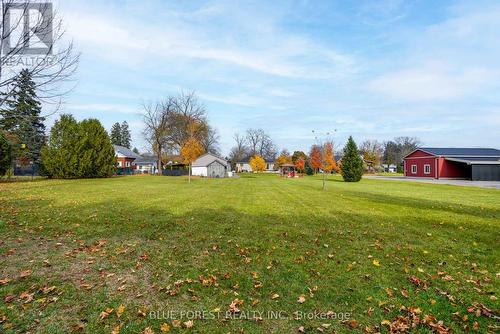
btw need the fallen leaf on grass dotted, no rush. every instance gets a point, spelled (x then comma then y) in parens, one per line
(302, 298)
(148, 330)
(233, 307)
(4, 281)
(275, 296)
(119, 310)
(116, 329)
(376, 262)
(104, 314)
(189, 324)
(164, 328)
(176, 323)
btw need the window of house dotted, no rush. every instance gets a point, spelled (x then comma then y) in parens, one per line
(127, 164)
(414, 169)
(427, 169)
(119, 164)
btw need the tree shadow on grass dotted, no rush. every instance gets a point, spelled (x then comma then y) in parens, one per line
(426, 204)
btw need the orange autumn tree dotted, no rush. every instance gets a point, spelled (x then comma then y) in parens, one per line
(257, 163)
(284, 158)
(192, 148)
(315, 158)
(328, 157)
(300, 165)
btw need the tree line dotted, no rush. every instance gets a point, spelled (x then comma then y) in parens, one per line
(71, 150)
(179, 125)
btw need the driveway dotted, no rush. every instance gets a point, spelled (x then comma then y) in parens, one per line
(482, 184)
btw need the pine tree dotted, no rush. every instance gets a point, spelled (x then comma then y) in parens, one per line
(136, 151)
(116, 134)
(352, 164)
(125, 135)
(5, 154)
(21, 117)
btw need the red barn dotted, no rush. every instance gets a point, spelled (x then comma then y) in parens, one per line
(477, 164)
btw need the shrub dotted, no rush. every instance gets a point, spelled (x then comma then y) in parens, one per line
(352, 164)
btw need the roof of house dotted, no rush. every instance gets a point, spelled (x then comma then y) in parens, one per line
(449, 151)
(122, 150)
(206, 159)
(146, 160)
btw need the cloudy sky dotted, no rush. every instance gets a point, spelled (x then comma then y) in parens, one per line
(373, 69)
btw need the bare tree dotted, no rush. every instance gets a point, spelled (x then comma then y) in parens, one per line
(29, 31)
(156, 119)
(210, 140)
(189, 110)
(240, 150)
(260, 143)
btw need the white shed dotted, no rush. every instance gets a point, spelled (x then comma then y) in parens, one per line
(210, 165)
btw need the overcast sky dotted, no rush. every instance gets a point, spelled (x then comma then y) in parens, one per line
(373, 69)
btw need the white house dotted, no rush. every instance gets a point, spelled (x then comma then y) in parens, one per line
(146, 164)
(244, 166)
(210, 165)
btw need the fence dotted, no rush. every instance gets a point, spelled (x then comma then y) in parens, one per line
(31, 170)
(175, 172)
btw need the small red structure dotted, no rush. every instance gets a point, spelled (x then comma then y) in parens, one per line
(453, 163)
(287, 170)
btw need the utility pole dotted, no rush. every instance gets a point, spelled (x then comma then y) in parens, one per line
(320, 141)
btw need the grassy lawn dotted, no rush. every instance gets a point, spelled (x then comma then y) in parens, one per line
(95, 256)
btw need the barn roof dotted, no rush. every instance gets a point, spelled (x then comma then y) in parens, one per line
(460, 152)
(206, 159)
(122, 150)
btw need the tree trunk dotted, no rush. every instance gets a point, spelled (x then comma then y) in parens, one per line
(159, 163)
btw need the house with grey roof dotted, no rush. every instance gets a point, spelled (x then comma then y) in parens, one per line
(125, 158)
(146, 164)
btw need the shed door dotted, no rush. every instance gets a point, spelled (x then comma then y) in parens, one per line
(216, 169)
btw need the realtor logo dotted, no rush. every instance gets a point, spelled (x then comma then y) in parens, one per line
(27, 28)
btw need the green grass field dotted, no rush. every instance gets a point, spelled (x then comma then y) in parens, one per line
(97, 256)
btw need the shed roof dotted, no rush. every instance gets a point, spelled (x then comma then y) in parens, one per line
(206, 159)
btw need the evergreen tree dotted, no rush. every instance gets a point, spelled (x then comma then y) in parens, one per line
(125, 135)
(5, 154)
(116, 134)
(136, 151)
(352, 164)
(21, 117)
(60, 157)
(78, 150)
(96, 155)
